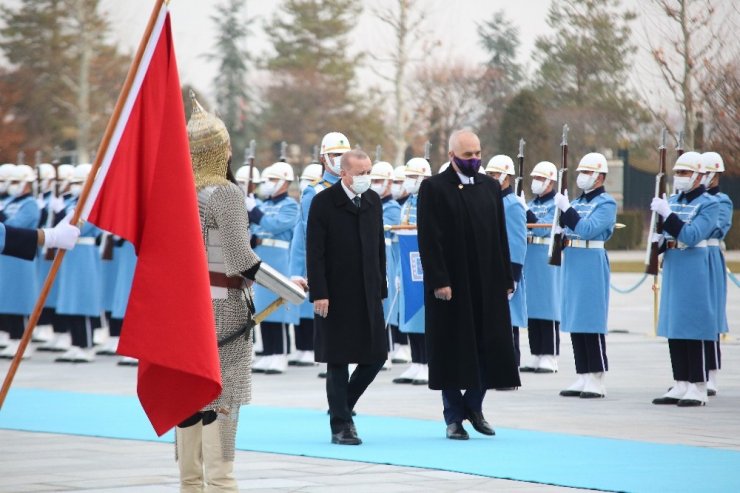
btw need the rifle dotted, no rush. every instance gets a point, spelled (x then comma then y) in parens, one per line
(679, 143)
(519, 181)
(39, 192)
(249, 161)
(656, 221)
(21, 159)
(555, 251)
(315, 154)
(283, 152)
(378, 153)
(428, 151)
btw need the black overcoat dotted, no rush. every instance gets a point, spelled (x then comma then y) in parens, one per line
(345, 259)
(463, 244)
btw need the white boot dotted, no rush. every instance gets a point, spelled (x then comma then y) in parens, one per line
(422, 376)
(219, 473)
(128, 361)
(674, 394)
(42, 333)
(408, 375)
(109, 348)
(278, 365)
(548, 364)
(307, 359)
(68, 356)
(12, 348)
(401, 353)
(534, 363)
(712, 383)
(63, 343)
(576, 387)
(189, 443)
(4, 339)
(84, 355)
(696, 395)
(594, 387)
(388, 364)
(262, 364)
(295, 357)
(100, 335)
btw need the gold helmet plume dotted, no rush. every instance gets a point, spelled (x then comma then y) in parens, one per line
(210, 146)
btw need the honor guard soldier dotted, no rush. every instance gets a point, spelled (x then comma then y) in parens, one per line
(47, 183)
(417, 170)
(242, 177)
(18, 282)
(714, 167)
(401, 352)
(272, 223)
(398, 192)
(310, 174)
(382, 181)
(5, 172)
(333, 146)
(688, 314)
(501, 168)
(589, 222)
(79, 297)
(543, 286)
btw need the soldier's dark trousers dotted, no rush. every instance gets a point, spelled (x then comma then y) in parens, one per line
(687, 360)
(712, 355)
(80, 327)
(417, 344)
(274, 338)
(114, 326)
(544, 336)
(14, 325)
(589, 351)
(343, 391)
(398, 336)
(304, 335)
(517, 351)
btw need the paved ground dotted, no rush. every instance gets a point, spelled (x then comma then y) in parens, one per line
(640, 370)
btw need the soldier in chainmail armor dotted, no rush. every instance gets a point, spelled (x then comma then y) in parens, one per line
(205, 442)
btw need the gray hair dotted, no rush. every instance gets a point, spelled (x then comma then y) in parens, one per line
(456, 135)
(353, 154)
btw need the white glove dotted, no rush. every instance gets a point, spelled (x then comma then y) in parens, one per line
(558, 229)
(63, 235)
(251, 202)
(57, 204)
(511, 295)
(41, 203)
(521, 200)
(561, 201)
(656, 238)
(660, 205)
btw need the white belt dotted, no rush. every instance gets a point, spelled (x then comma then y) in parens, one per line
(671, 244)
(275, 243)
(86, 240)
(714, 242)
(388, 242)
(538, 240)
(585, 244)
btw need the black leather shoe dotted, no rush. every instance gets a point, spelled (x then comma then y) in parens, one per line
(322, 374)
(346, 436)
(543, 370)
(665, 400)
(403, 380)
(455, 431)
(570, 393)
(591, 395)
(690, 403)
(711, 392)
(527, 369)
(479, 423)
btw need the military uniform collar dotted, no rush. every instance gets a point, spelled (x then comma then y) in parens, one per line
(690, 196)
(713, 190)
(387, 198)
(278, 198)
(544, 198)
(20, 197)
(331, 178)
(508, 190)
(592, 194)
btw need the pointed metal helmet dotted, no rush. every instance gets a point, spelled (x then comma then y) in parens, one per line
(210, 146)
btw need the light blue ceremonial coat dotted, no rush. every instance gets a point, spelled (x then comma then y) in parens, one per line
(391, 217)
(124, 277)
(416, 324)
(18, 281)
(718, 269)
(543, 279)
(516, 230)
(688, 307)
(298, 245)
(80, 278)
(42, 265)
(585, 293)
(2, 236)
(280, 215)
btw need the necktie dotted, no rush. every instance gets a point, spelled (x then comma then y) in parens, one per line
(356, 200)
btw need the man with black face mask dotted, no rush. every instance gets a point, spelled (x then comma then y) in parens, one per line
(467, 277)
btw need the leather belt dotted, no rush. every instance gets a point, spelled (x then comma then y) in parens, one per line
(221, 280)
(538, 240)
(584, 244)
(86, 240)
(273, 243)
(673, 244)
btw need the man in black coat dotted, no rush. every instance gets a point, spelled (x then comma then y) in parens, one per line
(345, 260)
(467, 277)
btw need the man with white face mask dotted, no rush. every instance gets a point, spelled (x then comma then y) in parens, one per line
(272, 224)
(589, 222)
(688, 315)
(417, 170)
(382, 181)
(5, 172)
(543, 286)
(398, 193)
(501, 169)
(346, 273)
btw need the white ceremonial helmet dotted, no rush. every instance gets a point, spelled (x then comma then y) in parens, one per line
(23, 173)
(712, 162)
(593, 161)
(65, 171)
(399, 173)
(47, 171)
(444, 166)
(501, 163)
(80, 173)
(242, 174)
(418, 166)
(382, 170)
(335, 143)
(6, 170)
(689, 161)
(312, 172)
(545, 169)
(279, 171)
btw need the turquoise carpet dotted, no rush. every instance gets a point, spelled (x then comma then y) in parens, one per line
(539, 457)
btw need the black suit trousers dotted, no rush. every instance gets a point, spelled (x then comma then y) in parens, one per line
(343, 391)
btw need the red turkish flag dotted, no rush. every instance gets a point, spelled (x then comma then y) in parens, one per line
(145, 192)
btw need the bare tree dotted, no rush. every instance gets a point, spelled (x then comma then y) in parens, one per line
(721, 90)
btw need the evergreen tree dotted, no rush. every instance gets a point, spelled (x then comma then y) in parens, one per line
(524, 118)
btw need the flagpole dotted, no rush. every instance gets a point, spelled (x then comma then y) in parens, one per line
(105, 142)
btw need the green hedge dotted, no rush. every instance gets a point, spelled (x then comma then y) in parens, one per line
(631, 236)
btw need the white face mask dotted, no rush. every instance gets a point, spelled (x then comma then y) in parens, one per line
(303, 184)
(75, 189)
(411, 185)
(269, 188)
(360, 184)
(501, 179)
(260, 191)
(586, 182)
(335, 163)
(3, 186)
(378, 188)
(538, 187)
(14, 190)
(707, 179)
(683, 183)
(397, 190)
